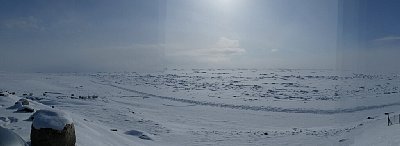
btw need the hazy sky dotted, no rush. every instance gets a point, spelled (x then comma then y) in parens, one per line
(131, 35)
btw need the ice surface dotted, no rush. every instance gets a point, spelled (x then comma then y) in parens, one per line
(213, 106)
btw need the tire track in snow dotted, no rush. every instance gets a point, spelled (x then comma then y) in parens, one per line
(259, 108)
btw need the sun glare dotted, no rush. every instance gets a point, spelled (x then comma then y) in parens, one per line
(224, 3)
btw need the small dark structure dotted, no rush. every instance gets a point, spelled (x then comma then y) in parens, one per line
(389, 121)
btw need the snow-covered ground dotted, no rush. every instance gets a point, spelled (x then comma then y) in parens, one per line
(212, 106)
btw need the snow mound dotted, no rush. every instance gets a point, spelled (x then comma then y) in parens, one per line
(54, 119)
(9, 138)
(3, 95)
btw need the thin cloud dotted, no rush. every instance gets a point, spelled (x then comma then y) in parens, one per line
(223, 51)
(225, 47)
(27, 23)
(274, 50)
(388, 38)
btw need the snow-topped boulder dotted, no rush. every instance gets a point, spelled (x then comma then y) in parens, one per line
(24, 101)
(4, 93)
(9, 138)
(17, 105)
(52, 128)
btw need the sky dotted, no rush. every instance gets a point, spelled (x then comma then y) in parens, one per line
(369, 35)
(141, 35)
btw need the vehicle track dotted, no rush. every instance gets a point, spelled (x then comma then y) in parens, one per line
(258, 108)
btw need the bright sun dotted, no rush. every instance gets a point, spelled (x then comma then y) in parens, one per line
(224, 3)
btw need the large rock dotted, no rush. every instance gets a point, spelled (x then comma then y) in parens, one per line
(52, 128)
(51, 137)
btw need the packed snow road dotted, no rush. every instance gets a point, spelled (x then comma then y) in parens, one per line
(260, 108)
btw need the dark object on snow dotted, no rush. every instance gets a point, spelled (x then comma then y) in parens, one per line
(139, 134)
(24, 101)
(34, 98)
(388, 118)
(25, 109)
(114, 130)
(370, 118)
(31, 117)
(145, 137)
(52, 137)
(9, 138)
